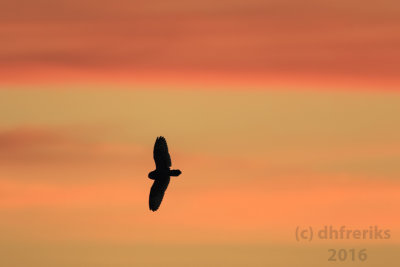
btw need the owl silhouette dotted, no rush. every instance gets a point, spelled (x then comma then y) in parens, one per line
(161, 175)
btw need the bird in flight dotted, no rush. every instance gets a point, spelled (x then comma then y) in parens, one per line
(161, 175)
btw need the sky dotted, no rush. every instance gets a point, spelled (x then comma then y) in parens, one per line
(280, 114)
(341, 41)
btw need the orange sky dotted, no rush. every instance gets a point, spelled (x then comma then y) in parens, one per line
(267, 108)
(271, 41)
(255, 164)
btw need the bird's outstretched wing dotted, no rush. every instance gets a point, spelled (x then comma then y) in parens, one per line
(157, 193)
(160, 154)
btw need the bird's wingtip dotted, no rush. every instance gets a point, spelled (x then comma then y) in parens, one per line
(152, 208)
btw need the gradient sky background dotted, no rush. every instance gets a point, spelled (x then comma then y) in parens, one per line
(280, 114)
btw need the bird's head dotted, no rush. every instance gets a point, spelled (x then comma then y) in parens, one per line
(152, 175)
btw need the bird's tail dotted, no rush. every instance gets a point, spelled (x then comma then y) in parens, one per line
(175, 172)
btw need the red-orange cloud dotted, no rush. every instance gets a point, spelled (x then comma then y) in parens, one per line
(278, 41)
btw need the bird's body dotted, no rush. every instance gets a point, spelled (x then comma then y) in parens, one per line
(161, 175)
